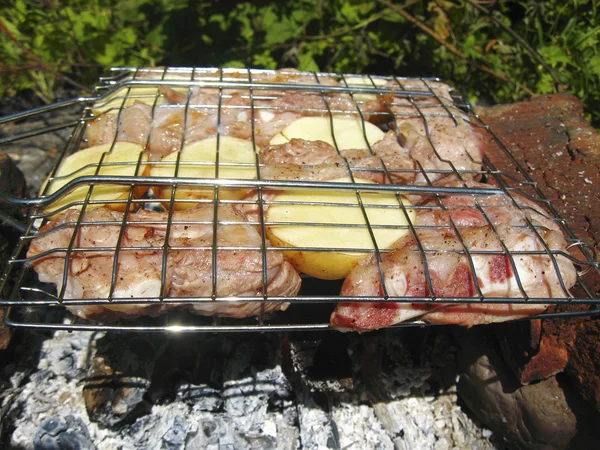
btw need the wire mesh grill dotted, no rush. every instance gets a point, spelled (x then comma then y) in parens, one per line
(195, 223)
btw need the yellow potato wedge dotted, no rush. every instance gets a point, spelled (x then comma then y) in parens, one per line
(299, 210)
(365, 82)
(127, 97)
(348, 132)
(121, 161)
(237, 160)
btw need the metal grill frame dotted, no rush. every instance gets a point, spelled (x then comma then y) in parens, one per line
(20, 295)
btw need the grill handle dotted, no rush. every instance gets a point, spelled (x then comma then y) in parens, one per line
(45, 109)
(38, 112)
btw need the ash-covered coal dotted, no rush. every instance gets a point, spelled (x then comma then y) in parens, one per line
(118, 378)
(209, 391)
(63, 433)
(202, 397)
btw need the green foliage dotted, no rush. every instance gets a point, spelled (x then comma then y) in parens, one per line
(492, 51)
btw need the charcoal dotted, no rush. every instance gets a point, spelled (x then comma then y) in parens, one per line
(219, 392)
(248, 389)
(118, 378)
(247, 395)
(211, 434)
(167, 428)
(174, 439)
(201, 397)
(320, 365)
(317, 428)
(63, 433)
(393, 363)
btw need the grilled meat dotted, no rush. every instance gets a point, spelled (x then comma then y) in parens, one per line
(305, 160)
(131, 125)
(488, 226)
(139, 263)
(467, 247)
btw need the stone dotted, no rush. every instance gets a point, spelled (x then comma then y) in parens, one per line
(542, 415)
(63, 433)
(560, 151)
(584, 359)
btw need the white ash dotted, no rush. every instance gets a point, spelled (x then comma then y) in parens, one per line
(434, 422)
(358, 427)
(257, 405)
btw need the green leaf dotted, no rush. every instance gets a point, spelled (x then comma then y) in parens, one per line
(469, 48)
(38, 40)
(12, 28)
(20, 7)
(351, 12)
(234, 64)
(594, 64)
(220, 20)
(546, 84)
(307, 63)
(280, 32)
(128, 35)
(264, 60)
(554, 55)
(156, 36)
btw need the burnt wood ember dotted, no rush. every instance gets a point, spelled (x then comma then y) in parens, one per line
(118, 379)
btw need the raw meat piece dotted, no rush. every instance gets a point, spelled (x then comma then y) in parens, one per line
(189, 264)
(133, 125)
(438, 135)
(305, 160)
(483, 228)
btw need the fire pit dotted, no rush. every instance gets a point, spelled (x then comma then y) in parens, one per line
(91, 390)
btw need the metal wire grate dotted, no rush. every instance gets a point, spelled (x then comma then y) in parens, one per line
(243, 104)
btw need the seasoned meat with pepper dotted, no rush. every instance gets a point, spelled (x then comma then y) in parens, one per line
(138, 266)
(475, 263)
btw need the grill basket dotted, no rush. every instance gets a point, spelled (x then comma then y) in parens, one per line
(32, 303)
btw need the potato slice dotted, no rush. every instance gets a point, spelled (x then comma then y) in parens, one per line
(237, 160)
(305, 207)
(121, 161)
(349, 133)
(365, 82)
(127, 97)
